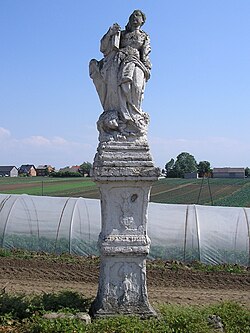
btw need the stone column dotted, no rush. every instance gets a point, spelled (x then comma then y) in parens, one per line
(124, 172)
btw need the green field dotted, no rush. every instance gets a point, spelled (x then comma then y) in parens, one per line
(218, 192)
(61, 187)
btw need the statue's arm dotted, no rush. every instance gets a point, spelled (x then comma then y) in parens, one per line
(146, 49)
(107, 41)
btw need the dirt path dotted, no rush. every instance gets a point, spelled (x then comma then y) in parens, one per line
(169, 190)
(164, 285)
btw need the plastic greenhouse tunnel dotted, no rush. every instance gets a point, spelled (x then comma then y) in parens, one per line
(211, 235)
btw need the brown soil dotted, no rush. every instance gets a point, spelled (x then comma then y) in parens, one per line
(182, 286)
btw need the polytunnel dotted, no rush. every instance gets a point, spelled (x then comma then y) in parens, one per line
(209, 234)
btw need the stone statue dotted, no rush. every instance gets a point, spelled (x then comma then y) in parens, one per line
(120, 79)
(123, 170)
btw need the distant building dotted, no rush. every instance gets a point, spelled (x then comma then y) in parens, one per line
(44, 170)
(27, 170)
(228, 172)
(191, 175)
(8, 171)
(67, 168)
(73, 168)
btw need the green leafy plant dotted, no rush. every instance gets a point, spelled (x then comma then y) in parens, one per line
(21, 306)
(24, 315)
(184, 319)
(40, 325)
(5, 253)
(235, 317)
(16, 306)
(65, 299)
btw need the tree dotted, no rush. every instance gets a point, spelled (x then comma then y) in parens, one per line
(65, 174)
(185, 163)
(85, 168)
(204, 168)
(247, 172)
(169, 167)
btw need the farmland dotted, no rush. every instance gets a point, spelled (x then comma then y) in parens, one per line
(218, 192)
(61, 187)
(184, 296)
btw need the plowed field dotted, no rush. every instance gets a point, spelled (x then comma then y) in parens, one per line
(181, 286)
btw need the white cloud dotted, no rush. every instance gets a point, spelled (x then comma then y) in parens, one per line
(58, 151)
(58, 140)
(4, 133)
(39, 149)
(36, 141)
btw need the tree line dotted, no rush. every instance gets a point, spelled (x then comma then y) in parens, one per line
(186, 163)
(83, 171)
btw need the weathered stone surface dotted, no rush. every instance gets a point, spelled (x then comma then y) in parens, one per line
(120, 79)
(123, 169)
(122, 288)
(124, 245)
(124, 160)
(123, 173)
(84, 317)
(216, 323)
(58, 315)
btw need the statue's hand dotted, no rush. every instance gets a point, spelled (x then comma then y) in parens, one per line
(114, 29)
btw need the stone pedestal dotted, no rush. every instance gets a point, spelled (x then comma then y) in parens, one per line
(124, 172)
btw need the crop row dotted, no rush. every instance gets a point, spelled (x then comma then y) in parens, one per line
(221, 192)
(85, 248)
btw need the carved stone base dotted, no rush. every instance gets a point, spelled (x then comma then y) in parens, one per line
(121, 160)
(122, 288)
(124, 172)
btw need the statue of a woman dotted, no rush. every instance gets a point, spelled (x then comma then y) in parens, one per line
(120, 79)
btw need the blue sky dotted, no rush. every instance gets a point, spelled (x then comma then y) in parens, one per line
(198, 96)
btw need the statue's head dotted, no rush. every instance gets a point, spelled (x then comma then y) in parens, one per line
(137, 18)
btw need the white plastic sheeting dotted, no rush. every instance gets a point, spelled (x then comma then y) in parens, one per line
(178, 232)
(208, 234)
(49, 224)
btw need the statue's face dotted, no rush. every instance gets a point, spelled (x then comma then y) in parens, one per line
(136, 19)
(113, 124)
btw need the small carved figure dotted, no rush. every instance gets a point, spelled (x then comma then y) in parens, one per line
(127, 287)
(127, 219)
(120, 79)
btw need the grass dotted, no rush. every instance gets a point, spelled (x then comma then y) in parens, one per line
(239, 198)
(74, 187)
(225, 192)
(166, 265)
(235, 192)
(24, 314)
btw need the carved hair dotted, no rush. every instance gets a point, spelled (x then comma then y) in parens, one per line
(128, 26)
